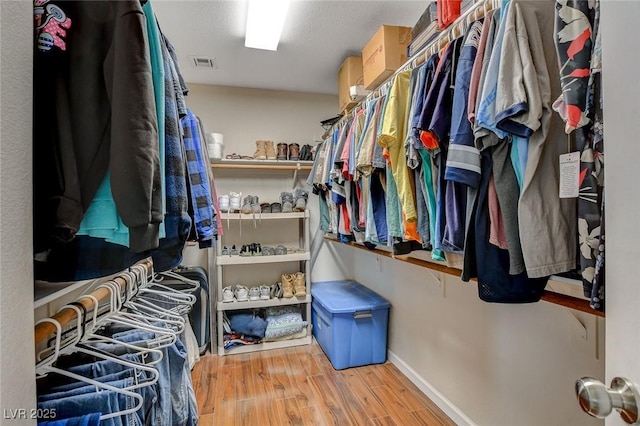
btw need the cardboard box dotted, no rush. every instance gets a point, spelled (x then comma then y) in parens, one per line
(384, 54)
(350, 74)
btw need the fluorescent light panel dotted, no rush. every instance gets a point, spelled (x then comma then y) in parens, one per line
(265, 20)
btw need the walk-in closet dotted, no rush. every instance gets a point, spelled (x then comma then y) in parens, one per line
(392, 213)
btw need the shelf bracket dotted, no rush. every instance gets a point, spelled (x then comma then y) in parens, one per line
(295, 175)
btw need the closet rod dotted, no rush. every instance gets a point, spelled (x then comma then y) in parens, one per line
(548, 296)
(461, 23)
(67, 315)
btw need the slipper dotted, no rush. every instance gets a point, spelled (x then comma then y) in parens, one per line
(233, 156)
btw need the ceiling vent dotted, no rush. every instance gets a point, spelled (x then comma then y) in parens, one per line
(204, 62)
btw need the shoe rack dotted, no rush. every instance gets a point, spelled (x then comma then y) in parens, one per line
(224, 261)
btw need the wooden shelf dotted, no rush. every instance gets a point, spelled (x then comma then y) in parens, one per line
(267, 345)
(548, 296)
(254, 260)
(251, 304)
(261, 164)
(264, 216)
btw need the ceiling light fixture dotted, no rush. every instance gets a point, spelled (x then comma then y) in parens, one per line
(265, 20)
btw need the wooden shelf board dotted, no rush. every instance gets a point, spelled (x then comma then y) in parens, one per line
(548, 296)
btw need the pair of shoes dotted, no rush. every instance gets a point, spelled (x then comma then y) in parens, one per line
(223, 203)
(264, 151)
(301, 200)
(276, 208)
(251, 204)
(268, 251)
(288, 152)
(280, 249)
(233, 251)
(287, 201)
(234, 200)
(252, 249)
(305, 153)
(265, 208)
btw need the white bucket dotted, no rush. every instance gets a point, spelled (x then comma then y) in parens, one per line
(215, 145)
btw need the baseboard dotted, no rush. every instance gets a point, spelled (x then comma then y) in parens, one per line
(432, 393)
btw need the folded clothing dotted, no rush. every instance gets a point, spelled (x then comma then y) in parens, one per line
(247, 323)
(283, 321)
(299, 335)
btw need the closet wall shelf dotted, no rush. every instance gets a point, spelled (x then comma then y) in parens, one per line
(254, 260)
(264, 216)
(261, 164)
(267, 345)
(548, 296)
(230, 306)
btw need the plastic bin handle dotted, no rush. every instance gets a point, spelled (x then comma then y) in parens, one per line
(362, 314)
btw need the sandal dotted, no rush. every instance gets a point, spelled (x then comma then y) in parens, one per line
(232, 156)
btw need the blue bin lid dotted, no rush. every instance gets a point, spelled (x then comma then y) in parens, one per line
(346, 296)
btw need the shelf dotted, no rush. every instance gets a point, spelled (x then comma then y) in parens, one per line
(261, 164)
(264, 216)
(266, 346)
(250, 304)
(253, 260)
(568, 301)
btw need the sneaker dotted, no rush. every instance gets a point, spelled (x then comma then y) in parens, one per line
(260, 153)
(225, 251)
(255, 204)
(276, 208)
(223, 203)
(276, 291)
(287, 202)
(227, 295)
(268, 251)
(234, 200)
(241, 293)
(269, 150)
(265, 292)
(254, 293)
(299, 284)
(245, 250)
(246, 204)
(301, 200)
(233, 251)
(280, 249)
(265, 208)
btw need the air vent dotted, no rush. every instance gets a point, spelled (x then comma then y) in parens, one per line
(204, 62)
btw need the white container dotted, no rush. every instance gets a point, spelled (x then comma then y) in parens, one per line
(215, 145)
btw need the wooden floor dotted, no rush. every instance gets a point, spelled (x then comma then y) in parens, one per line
(298, 386)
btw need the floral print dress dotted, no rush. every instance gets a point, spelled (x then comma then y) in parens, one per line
(580, 106)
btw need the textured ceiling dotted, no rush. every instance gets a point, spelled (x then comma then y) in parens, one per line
(317, 36)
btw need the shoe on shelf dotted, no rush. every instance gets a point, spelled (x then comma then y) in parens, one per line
(276, 208)
(223, 203)
(276, 290)
(233, 251)
(287, 202)
(234, 201)
(294, 151)
(255, 249)
(255, 204)
(299, 285)
(260, 153)
(268, 251)
(254, 293)
(227, 295)
(241, 293)
(269, 150)
(301, 197)
(265, 292)
(225, 251)
(283, 151)
(287, 286)
(246, 205)
(280, 249)
(245, 250)
(265, 208)
(305, 153)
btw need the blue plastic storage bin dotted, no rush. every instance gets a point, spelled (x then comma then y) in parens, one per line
(350, 323)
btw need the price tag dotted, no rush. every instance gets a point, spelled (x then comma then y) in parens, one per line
(569, 175)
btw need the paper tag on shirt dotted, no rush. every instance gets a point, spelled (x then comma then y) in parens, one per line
(569, 175)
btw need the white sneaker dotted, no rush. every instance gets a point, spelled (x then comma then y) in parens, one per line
(242, 293)
(265, 292)
(227, 295)
(254, 293)
(234, 200)
(223, 203)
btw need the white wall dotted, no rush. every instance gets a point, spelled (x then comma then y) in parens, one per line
(496, 364)
(17, 384)
(243, 116)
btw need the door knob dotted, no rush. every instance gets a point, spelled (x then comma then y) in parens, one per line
(599, 401)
